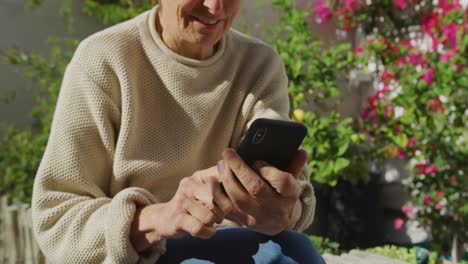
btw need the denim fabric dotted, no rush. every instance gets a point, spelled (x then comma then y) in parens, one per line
(242, 246)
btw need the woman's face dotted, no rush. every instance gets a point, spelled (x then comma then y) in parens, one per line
(197, 23)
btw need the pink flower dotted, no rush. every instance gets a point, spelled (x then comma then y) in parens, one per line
(386, 77)
(459, 67)
(431, 169)
(438, 206)
(388, 111)
(429, 21)
(428, 76)
(447, 56)
(450, 33)
(421, 167)
(401, 154)
(398, 223)
(400, 62)
(358, 50)
(435, 43)
(323, 11)
(416, 59)
(350, 4)
(408, 209)
(382, 91)
(436, 105)
(402, 4)
(447, 7)
(365, 113)
(411, 143)
(427, 200)
(406, 43)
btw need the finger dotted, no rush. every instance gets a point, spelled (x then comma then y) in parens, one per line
(204, 191)
(240, 198)
(200, 212)
(231, 212)
(203, 175)
(249, 179)
(216, 210)
(297, 163)
(283, 182)
(189, 224)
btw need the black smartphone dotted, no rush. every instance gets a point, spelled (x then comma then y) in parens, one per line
(273, 141)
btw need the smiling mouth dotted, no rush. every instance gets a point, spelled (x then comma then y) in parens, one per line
(208, 22)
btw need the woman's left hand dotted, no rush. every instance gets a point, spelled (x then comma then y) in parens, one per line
(262, 198)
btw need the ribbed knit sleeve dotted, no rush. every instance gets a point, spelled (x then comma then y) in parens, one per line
(75, 219)
(270, 100)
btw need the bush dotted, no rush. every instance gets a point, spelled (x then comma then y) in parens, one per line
(21, 149)
(400, 253)
(325, 245)
(419, 112)
(332, 142)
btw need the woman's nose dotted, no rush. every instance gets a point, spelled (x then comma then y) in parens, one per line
(214, 6)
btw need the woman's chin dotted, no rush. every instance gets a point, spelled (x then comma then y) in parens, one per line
(205, 41)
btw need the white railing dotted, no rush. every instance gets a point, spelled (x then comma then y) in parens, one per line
(17, 242)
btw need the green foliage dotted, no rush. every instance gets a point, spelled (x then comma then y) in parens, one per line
(430, 91)
(401, 253)
(313, 72)
(311, 68)
(21, 149)
(380, 16)
(114, 11)
(325, 245)
(33, 3)
(330, 143)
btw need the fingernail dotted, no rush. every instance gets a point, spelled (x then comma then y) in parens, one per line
(228, 154)
(221, 167)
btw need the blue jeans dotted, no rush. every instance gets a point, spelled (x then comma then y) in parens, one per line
(242, 246)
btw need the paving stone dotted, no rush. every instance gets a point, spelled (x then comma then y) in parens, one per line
(375, 258)
(359, 257)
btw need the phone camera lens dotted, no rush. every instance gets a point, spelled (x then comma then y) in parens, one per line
(259, 135)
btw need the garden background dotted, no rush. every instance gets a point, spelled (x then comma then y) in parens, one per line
(382, 86)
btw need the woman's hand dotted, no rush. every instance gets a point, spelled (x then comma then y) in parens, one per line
(189, 212)
(263, 198)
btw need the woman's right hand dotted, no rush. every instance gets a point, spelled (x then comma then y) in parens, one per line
(189, 212)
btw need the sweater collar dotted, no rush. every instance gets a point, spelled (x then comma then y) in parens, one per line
(173, 55)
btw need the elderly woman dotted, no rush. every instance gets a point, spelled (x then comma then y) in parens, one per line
(144, 129)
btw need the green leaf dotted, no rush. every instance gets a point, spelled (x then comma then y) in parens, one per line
(340, 164)
(401, 140)
(342, 148)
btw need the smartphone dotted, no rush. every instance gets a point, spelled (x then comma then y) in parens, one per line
(273, 141)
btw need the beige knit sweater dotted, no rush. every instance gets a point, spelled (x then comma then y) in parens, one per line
(133, 119)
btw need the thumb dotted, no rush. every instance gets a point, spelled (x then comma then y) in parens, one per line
(297, 163)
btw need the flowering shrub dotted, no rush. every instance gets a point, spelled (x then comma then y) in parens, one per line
(334, 147)
(379, 16)
(419, 111)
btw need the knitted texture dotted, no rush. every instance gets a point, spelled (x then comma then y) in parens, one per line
(133, 119)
